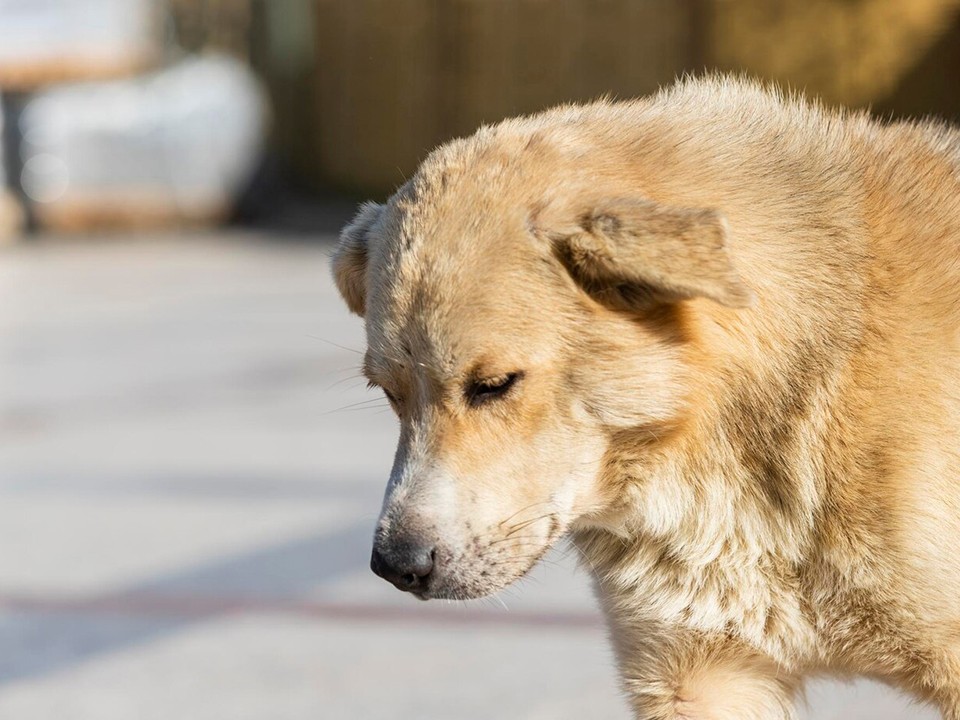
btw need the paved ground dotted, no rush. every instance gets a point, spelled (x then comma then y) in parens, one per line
(190, 469)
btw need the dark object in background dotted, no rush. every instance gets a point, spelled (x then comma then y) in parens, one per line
(396, 77)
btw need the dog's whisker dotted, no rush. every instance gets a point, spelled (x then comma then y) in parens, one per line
(527, 523)
(361, 405)
(337, 345)
(500, 601)
(516, 539)
(521, 510)
(341, 381)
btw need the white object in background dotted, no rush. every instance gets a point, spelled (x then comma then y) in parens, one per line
(44, 41)
(178, 144)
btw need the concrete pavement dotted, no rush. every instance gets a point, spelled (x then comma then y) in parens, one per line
(190, 469)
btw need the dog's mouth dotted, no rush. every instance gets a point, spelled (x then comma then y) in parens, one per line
(485, 566)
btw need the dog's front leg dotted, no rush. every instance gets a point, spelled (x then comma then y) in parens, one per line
(703, 677)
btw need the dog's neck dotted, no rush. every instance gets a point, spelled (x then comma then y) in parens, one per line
(714, 531)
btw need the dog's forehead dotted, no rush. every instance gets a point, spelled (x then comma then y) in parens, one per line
(459, 245)
(451, 299)
(448, 322)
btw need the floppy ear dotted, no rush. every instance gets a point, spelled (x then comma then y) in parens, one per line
(350, 258)
(634, 252)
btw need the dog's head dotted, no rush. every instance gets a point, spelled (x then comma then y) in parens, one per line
(519, 330)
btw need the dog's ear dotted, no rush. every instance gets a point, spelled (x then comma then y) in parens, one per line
(350, 258)
(634, 252)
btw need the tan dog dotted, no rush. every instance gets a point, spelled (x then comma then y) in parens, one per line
(715, 336)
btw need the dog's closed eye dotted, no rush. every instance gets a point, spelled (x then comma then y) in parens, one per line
(390, 396)
(478, 392)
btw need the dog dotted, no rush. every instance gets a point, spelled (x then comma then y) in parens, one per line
(713, 336)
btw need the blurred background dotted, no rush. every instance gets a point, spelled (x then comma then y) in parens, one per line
(190, 464)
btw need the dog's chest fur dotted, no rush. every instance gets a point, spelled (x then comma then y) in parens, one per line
(718, 581)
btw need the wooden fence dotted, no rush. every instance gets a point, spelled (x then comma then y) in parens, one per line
(364, 88)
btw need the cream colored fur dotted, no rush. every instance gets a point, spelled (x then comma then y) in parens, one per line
(732, 319)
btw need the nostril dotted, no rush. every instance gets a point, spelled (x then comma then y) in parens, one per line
(421, 565)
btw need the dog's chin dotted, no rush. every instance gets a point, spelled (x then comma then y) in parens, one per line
(473, 583)
(490, 572)
(471, 591)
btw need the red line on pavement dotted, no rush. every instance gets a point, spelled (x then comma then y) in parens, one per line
(192, 607)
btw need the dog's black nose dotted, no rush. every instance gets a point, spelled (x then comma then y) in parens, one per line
(406, 565)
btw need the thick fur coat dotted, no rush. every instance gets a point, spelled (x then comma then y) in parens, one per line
(714, 336)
